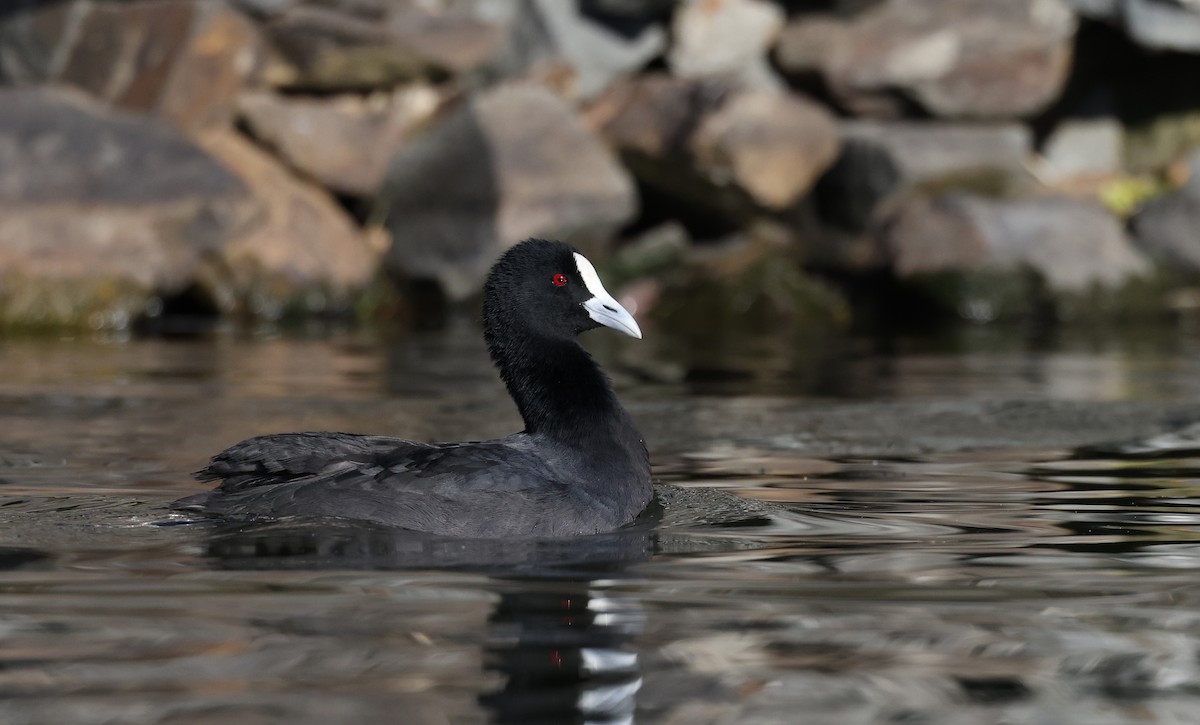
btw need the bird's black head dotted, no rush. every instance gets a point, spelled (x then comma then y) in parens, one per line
(549, 289)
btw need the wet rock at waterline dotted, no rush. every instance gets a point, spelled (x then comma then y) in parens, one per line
(952, 58)
(99, 210)
(185, 60)
(974, 254)
(511, 163)
(744, 283)
(304, 253)
(345, 143)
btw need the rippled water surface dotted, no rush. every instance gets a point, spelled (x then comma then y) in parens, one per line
(1042, 583)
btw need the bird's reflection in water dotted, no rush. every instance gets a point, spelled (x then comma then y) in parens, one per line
(567, 656)
(564, 650)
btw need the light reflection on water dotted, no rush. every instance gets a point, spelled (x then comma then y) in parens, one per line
(1038, 585)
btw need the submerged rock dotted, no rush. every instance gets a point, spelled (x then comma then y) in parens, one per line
(100, 210)
(953, 58)
(305, 253)
(346, 142)
(511, 163)
(185, 60)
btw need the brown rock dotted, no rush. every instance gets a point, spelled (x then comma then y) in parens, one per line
(772, 146)
(335, 49)
(511, 163)
(305, 250)
(183, 59)
(654, 115)
(956, 58)
(733, 151)
(344, 143)
(929, 235)
(100, 210)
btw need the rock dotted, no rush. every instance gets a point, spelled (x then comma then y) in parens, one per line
(743, 283)
(1166, 227)
(654, 115)
(732, 152)
(185, 60)
(880, 160)
(511, 163)
(806, 43)
(306, 253)
(331, 48)
(954, 58)
(772, 146)
(1074, 247)
(345, 143)
(1171, 25)
(726, 39)
(546, 32)
(100, 210)
(1080, 149)
(1098, 9)
(1151, 146)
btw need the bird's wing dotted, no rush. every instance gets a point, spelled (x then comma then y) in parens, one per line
(291, 456)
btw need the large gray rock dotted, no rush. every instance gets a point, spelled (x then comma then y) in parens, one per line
(726, 39)
(183, 59)
(344, 142)
(511, 163)
(1073, 246)
(1081, 149)
(100, 210)
(1168, 228)
(880, 160)
(730, 150)
(1155, 24)
(954, 58)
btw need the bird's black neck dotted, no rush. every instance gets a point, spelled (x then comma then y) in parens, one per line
(559, 389)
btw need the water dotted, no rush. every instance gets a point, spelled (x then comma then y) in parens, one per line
(1035, 583)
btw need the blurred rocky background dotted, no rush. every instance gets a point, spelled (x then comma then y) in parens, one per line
(725, 162)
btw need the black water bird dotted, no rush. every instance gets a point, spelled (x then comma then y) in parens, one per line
(579, 467)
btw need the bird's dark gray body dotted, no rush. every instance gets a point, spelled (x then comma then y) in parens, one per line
(579, 467)
(508, 487)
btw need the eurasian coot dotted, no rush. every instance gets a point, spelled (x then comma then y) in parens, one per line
(579, 467)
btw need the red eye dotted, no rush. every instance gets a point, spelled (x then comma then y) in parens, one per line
(559, 280)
